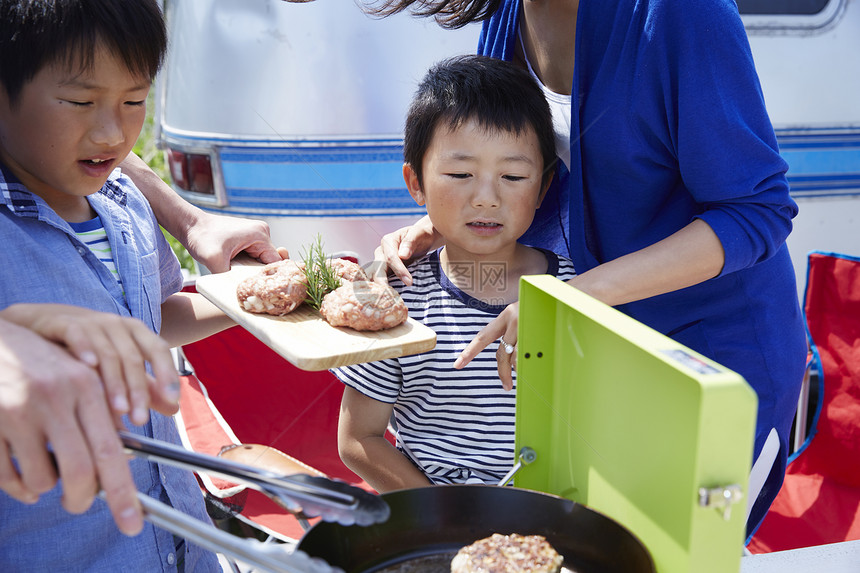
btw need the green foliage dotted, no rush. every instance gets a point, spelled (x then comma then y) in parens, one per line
(147, 149)
(321, 277)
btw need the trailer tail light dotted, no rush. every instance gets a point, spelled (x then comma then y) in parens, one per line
(191, 171)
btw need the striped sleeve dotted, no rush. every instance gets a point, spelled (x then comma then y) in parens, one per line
(379, 380)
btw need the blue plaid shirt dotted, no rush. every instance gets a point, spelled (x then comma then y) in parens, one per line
(43, 261)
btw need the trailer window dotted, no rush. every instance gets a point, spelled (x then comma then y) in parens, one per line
(767, 17)
(774, 7)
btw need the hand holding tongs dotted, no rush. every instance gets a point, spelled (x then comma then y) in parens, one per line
(316, 496)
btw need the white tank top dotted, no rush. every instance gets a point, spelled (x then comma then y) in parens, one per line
(559, 105)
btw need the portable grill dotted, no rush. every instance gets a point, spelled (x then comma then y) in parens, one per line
(632, 424)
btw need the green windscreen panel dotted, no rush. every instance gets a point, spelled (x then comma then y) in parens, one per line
(632, 424)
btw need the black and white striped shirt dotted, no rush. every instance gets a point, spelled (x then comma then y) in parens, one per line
(456, 425)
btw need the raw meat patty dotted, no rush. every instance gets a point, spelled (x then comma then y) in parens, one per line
(348, 270)
(364, 306)
(508, 554)
(277, 289)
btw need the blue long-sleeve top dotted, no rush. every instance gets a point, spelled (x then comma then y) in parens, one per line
(673, 126)
(669, 124)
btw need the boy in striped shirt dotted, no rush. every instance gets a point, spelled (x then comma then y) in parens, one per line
(479, 153)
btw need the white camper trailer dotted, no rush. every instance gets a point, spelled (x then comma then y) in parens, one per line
(806, 56)
(293, 113)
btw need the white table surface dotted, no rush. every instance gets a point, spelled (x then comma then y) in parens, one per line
(835, 558)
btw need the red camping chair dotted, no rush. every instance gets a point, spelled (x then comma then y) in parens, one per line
(819, 503)
(241, 392)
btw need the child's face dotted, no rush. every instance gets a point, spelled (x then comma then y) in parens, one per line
(70, 128)
(481, 187)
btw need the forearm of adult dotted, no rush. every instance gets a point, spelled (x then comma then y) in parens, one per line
(173, 212)
(189, 317)
(688, 257)
(213, 240)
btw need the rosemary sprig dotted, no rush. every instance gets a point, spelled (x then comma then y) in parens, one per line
(321, 277)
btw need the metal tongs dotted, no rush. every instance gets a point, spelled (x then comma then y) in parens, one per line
(331, 500)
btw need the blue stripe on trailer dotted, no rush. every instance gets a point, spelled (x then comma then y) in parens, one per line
(327, 181)
(345, 177)
(822, 162)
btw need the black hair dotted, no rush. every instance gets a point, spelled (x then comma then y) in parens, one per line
(449, 14)
(38, 33)
(498, 95)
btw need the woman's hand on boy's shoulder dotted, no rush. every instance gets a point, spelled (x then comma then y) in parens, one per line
(397, 249)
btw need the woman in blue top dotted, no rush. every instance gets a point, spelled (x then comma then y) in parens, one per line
(671, 196)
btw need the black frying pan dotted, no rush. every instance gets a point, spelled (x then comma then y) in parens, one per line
(433, 523)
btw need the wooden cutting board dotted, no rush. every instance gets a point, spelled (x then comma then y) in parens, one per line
(303, 337)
